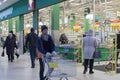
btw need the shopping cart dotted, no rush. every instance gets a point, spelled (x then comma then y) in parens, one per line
(63, 68)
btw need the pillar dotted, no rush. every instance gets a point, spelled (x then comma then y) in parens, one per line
(55, 22)
(17, 24)
(21, 35)
(35, 20)
(86, 24)
(10, 24)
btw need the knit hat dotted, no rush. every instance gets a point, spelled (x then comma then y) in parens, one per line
(43, 27)
(90, 32)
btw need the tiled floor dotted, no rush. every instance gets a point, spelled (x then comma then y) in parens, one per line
(20, 70)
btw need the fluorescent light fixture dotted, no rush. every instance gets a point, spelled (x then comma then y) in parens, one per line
(4, 0)
(89, 16)
(40, 23)
(71, 0)
(27, 25)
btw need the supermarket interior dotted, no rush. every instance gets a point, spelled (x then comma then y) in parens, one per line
(74, 18)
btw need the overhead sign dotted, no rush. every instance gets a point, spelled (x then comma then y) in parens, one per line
(31, 4)
(118, 13)
(5, 13)
(108, 14)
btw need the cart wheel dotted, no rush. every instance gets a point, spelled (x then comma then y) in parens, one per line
(60, 78)
(47, 79)
(66, 78)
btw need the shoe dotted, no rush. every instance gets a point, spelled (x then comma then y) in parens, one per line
(84, 72)
(91, 72)
(17, 55)
(45, 78)
(11, 60)
(33, 67)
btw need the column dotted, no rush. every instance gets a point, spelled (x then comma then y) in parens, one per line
(0, 27)
(55, 22)
(35, 20)
(21, 35)
(17, 24)
(10, 24)
(86, 24)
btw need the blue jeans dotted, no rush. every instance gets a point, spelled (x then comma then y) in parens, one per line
(32, 56)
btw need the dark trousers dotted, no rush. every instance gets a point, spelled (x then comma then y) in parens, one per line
(11, 57)
(32, 56)
(90, 63)
(42, 65)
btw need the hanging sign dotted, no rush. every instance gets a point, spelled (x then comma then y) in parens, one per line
(118, 13)
(31, 4)
(5, 13)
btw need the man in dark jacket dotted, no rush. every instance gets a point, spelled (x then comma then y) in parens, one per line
(10, 45)
(31, 43)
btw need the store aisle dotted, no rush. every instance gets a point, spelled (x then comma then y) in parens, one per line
(20, 69)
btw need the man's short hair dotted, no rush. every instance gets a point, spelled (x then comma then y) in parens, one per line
(11, 32)
(32, 30)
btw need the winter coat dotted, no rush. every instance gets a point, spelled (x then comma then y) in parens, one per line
(89, 45)
(45, 46)
(31, 40)
(10, 45)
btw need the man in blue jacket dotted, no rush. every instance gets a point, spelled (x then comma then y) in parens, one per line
(46, 46)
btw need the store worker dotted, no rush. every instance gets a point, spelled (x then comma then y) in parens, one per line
(46, 47)
(63, 39)
(89, 45)
(31, 39)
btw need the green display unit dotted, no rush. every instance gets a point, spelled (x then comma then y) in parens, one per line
(70, 53)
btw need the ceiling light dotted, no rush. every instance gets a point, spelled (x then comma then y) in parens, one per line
(4, 0)
(71, 1)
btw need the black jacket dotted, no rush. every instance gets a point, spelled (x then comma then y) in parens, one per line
(31, 40)
(10, 45)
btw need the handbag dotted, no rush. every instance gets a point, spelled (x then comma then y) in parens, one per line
(38, 53)
(97, 53)
(3, 54)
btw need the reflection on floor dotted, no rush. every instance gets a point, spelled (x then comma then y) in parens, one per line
(20, 69)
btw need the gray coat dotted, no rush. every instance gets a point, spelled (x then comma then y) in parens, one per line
(89, 45)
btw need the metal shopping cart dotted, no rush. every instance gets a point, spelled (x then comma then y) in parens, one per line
(63, 68)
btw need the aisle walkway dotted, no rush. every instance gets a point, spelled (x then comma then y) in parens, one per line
(20, 70)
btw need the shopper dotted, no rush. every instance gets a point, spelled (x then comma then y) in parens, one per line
(10, 45)
(63, 39)
(14, 37)
(31, 44)
(89, 45)
(45, 45)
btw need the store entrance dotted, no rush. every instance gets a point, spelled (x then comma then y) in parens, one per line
(28, 24)
(44, 19)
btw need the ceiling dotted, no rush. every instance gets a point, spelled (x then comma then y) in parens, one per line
(6, 3)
